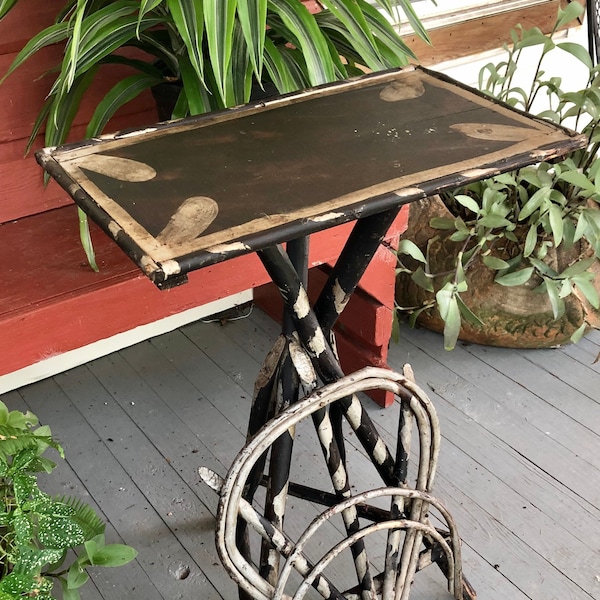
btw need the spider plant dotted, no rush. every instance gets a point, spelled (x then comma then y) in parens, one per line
(216, 49)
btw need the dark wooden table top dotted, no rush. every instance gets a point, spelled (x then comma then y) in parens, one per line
(181, 195)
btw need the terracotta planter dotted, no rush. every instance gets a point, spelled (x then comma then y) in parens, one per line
(513, 317)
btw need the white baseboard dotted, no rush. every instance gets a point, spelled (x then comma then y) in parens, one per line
(73, 358)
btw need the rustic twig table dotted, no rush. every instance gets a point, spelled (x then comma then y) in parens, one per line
(185, 194)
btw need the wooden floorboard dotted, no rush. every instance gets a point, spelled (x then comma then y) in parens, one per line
(519, 470)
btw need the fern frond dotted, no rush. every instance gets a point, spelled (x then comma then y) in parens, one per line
(84, 515)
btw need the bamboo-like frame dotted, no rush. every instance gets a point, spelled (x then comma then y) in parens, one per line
(408, 512)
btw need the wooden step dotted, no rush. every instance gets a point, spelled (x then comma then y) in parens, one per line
(51, 302)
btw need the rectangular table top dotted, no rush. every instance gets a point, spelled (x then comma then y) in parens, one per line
(184, 194)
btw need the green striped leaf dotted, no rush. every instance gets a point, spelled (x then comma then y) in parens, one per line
(414, 20)
(155, 43)
(194, 89)
(358, 31)
(386, 5)
(310, 39)
(102, 33)
(241, 70)
(278, 66)
(219, 20)
(111, 37)
(188, 17)
(51, 35)
(63, 108)
(147, 6)
(5, 6)
(88, 58)
(123, 92)
(86, 240)
(252, 16)
(392, 47)
(75, 41)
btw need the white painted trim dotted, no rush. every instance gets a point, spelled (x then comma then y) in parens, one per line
(73, 358)
(451, 12)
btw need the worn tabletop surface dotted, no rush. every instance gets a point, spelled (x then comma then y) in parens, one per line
(189, 193)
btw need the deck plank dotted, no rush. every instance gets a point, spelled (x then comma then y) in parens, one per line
(558, 387)
(156, 449)
(519, 465)
(498, 399)
(104, 480)
(214, 430)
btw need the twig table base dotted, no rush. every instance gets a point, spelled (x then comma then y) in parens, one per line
(182, 195)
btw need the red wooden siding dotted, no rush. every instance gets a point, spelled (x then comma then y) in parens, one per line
(50, 301)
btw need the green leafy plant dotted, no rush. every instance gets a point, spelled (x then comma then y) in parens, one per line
(38, 531)
(516, 223)
(217, 50)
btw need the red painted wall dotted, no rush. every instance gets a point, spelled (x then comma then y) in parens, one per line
(50, 301)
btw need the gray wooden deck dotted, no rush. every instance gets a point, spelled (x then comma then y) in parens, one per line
(520, 465)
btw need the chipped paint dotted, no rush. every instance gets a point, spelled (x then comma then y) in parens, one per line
(380, 451)
(131, 134)
(327, 217)
(192, 218)
(325, 432)
(115, 229)
(317, 343)
(211, 479)
(340, 298)
(302, 364)
(302, 304)
(400, 566)
(171, 267)
(227, 248)
(540, 154)
(479, 173)
(409, 191)
(339, 478)
(148, 265)
(270, 364)
(354, 412)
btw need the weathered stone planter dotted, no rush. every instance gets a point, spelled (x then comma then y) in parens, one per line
(513, 317)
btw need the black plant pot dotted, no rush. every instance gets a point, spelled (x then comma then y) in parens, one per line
(165, 97)
(166, 94)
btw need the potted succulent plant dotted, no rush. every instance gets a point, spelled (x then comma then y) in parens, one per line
(216, 50)
(37, 532)
(513, 260)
